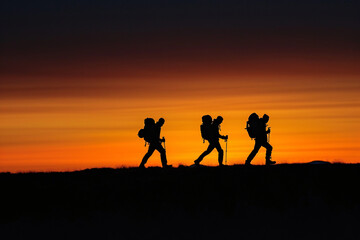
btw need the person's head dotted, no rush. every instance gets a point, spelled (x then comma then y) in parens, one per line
(219, 120)
(266, 118)
(161, 122)
(206, 119)
(149, 121)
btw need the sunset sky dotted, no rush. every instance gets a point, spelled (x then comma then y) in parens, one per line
(77, 79)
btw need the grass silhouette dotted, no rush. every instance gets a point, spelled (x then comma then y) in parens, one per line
(290, 201)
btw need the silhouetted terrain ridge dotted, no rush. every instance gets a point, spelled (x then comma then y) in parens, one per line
(282, 202)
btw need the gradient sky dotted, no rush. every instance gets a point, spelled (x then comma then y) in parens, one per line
(77, 78)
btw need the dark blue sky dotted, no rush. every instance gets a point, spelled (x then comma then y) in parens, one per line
(33, 19)
(37, 36)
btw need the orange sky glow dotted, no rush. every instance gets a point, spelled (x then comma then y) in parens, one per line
(312, 118)
(75, 88)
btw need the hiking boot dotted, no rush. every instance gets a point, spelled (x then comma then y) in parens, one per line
(167, 166)
(197, 162)
(247, 163)
(142, 166)
(269, 162)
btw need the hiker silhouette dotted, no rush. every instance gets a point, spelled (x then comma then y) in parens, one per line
(151, 135)
(210, 132)
(257, 129)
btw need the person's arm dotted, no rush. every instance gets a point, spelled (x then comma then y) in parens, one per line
(223, 137)
(219, 135)
(268, 131)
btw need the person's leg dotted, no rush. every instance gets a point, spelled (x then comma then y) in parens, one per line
(162, 152)
(268, 152)
(206, 152)
(256, 149)
(147, 155)
(221, 153)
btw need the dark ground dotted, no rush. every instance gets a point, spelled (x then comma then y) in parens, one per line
(296, 201)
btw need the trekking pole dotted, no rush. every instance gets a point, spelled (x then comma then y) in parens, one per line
(226, 152)
(269, 136)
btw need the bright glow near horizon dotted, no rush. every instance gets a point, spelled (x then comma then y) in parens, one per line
(311, 119)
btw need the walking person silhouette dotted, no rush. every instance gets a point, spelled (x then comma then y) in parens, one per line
(151, 135)
(210, 132)
(258, 128)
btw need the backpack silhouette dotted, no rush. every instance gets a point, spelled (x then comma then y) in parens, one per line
(148, 131)
(206, 128)
(251, 125)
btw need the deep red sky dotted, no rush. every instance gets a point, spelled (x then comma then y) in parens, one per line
(77, 79)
